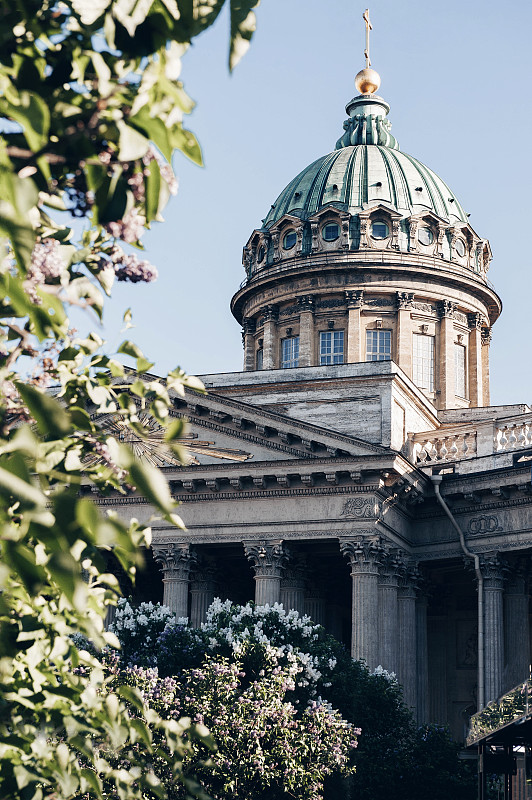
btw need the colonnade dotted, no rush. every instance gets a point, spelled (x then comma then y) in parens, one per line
(388, 608)
(357, 316)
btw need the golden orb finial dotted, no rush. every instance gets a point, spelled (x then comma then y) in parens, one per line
(367, 81)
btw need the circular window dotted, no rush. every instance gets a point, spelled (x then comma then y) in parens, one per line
(330, 232)
(460, 247)
(380, 230)
(289, 240)
(425, 236)
(261, 254)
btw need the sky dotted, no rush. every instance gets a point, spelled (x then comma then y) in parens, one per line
(457, 78)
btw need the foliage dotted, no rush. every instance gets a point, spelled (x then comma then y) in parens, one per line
(394, 757)
(92, 110)
(267, 747)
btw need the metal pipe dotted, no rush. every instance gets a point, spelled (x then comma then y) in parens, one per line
(436, 480)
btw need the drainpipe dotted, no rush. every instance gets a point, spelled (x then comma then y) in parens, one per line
(436, 480)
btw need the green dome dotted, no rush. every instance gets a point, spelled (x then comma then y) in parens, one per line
(367, 169)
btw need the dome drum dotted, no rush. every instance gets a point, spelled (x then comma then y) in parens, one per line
(367, 255)
(378, 228)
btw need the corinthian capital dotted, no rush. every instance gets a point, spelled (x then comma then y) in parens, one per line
(494, 569)
(174, 559)
(365, 554)
(266, 557)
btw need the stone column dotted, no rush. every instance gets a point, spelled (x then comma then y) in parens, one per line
(270, 347)
(407, 632)
(493, 570)
(445, 373)
(267, 559)
(364, 556)
(174, 560)
(485, 342)
(516, 629)
(403, 355)
(476, 385)
(422, 660)
(354, 334)
(306, 331)
(388, 611)
(315, 605)
(202, 590)
(293, 585)
(248, 340)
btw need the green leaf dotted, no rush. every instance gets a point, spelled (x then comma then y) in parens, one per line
(21, 489)
(153, 485)
(133, 144)
(243, 26)
(174, 430)
(48, 413)
(129, 348)
(188, 144)
(152, 183)
(131, 13)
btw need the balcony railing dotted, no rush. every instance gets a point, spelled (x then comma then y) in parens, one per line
(456, 442)
(514, 706)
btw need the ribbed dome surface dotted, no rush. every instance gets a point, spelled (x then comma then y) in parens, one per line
(366, 169)
(358, 177)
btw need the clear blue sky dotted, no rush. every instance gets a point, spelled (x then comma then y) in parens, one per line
(457, 77)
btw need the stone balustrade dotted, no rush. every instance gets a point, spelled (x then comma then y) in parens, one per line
(456, 442)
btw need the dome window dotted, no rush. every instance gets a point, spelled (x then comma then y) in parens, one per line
(289, 240)
(330, 232)
(425, 236)
(379, 230)
(460, 248)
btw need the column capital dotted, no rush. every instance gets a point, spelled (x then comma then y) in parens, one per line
(266, 557)
(295, 570)
(404, 300)
(390, 567)
(354, 298)
(486, 336)
(364, 554)
(445, 308)
(249, 325)
(175, 560)
(474, 321)
(410, 578)
(270, 313)
(306, 302)
(494, 569)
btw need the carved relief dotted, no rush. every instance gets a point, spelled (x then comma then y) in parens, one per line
(404, 300)
(484, 524)
(175, 560)
(361, 507)
(267, 558)
(446, 308)
(354, 298)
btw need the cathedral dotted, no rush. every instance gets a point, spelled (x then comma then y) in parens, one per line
(354, 469)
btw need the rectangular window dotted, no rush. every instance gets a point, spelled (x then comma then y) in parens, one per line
(423, 361)
(331, 347)
(290, 352)
(378, 345)
(259, 358)
(460, 370)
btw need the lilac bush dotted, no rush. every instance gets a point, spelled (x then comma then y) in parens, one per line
(267, 747)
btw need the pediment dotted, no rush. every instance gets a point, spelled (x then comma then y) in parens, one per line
(225, 431)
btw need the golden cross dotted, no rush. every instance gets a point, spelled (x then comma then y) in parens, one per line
(369, 27)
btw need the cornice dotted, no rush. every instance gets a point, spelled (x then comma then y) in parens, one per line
(356, 262)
